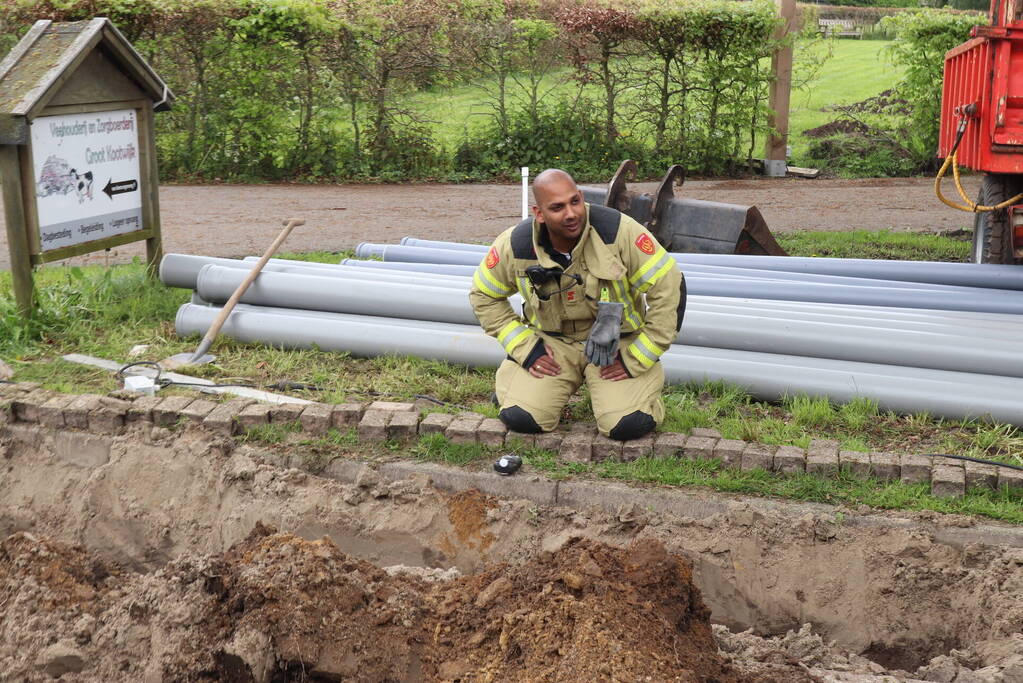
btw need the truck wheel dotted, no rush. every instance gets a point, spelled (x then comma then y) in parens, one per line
(992, 234)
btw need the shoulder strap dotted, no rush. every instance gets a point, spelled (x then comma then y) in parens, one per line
(605, 221)
(522, 240)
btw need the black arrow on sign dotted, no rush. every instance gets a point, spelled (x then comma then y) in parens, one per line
(120, 187)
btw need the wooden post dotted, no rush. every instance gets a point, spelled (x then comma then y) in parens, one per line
(149, 183)
(781, 88)
(17, 236)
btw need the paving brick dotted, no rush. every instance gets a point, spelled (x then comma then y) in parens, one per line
(108, 417)
(729, 452)
(435, 423)
(823, 447)
(758, 456)
(167, 413)
(254, 415)
(576, 447)
(347, 414)
(373, 425)
(915, 469)
(635, 449)
(491, 432)
(285, 413)
(519, 440)
(141, 409)
(316, 418)
(550, 441)
(1010, 478)
(403, 425)
(603, 448)
(948, 481)
(705, 432)
(886, 466)
(463, 428)
(196, 411)
(857, 462)
(822, 457)
(790, 460)
(76, 415)
(393, 407)
(26, 405)
(224, 418)
(51, 413)
(669, 445)
(700, 447)
(583, 428)
(980, 476)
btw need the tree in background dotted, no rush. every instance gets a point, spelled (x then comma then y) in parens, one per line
(393, 45)
(602, 51)
(921, 40)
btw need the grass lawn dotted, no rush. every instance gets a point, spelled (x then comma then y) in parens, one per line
(854, 71)
(850, 71)
(104, 312)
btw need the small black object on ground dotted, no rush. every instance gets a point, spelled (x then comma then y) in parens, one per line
(507, 464)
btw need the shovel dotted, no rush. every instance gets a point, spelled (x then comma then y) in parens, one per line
(199, 356)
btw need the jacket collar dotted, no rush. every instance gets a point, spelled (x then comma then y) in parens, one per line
(600, 258)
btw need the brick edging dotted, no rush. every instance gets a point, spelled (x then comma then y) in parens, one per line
(381, 420)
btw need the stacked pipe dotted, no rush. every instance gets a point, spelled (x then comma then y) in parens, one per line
(917, 337)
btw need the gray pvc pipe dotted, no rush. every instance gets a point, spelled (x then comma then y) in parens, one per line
(181, 270)
(984, 300)
(751, 332)
(767, 376)
(439, 268)
(992, 276)
(360, 297)
(368, 337)
(729, 272)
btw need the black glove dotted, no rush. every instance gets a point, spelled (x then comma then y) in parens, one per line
(602, 344)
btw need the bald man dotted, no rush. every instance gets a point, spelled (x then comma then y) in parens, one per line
(576, 267)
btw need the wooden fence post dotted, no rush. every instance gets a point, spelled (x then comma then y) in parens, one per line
(781, 88)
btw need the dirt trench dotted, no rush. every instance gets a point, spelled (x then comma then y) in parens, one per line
(178, 556)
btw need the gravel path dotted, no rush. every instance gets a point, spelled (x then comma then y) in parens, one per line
(237, 220)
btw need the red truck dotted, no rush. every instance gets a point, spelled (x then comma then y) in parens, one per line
(982, 129)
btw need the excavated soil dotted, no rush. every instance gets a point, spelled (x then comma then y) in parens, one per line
(177, 556)
(279, 607)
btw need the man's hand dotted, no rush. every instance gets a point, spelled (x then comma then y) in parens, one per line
(614, 372)
(545, 365)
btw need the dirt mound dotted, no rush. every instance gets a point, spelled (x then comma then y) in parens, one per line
(278, 607)
(838, 127)
(884, 102)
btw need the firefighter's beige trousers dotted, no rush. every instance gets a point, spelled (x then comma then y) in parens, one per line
(545, 397)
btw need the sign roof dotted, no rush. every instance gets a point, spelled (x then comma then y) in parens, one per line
(39, 65)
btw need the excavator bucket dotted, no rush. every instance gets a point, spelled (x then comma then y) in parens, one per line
(687, 225)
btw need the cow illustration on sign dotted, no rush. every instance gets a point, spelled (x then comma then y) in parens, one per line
(57, 177)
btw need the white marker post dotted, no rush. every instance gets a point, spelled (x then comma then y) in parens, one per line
(525, 191)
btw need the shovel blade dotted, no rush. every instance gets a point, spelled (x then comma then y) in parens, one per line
(180, 360)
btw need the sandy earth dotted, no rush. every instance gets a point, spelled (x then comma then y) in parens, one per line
(239, 220)
(157, 562)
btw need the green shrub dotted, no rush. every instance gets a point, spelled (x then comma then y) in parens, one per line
(921, 40)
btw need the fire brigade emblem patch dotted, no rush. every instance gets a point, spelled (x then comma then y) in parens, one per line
(492, 258)
(645, 244)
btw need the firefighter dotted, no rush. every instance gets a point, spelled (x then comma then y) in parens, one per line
(602, 301)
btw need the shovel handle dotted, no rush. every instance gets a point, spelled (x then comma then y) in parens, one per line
(214, 330)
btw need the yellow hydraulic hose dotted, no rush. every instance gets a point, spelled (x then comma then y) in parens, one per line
(970, 205)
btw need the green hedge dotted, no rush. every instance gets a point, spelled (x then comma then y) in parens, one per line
(319, 89)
